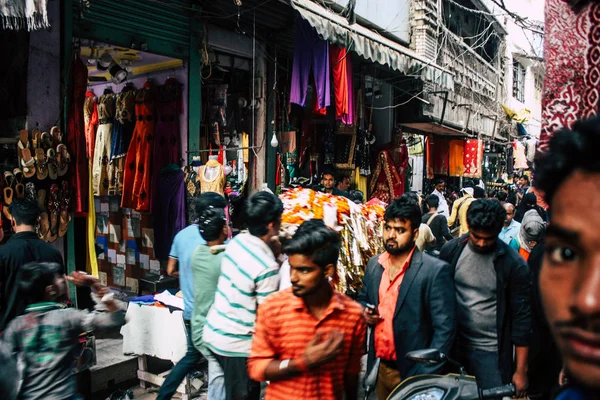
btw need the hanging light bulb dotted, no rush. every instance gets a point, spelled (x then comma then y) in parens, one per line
(274, 141)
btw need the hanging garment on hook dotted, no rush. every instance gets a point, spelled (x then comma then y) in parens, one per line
(101, 170)
(343, 88)
(310, 52)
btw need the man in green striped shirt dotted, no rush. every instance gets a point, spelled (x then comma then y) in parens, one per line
(249, 273)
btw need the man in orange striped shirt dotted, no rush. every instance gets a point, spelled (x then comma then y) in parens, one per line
(309, 339)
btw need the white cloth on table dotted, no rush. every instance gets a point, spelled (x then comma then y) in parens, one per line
(168, 299)
(154, 331)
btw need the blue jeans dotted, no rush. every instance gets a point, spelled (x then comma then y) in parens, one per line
(191, 359)
(483, 365)
(216, 377)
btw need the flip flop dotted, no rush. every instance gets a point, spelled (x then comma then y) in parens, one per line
(9, 178)
(41, 199)
(56, 134)
(20, 191)
(65, 217)
(5, 208)
(18, 174)
(53, 209)
(46, 141)
(28, 163)
(44, 226)
(36, 138)
(42, 167)
(30, 190)
(23, 142)
(52, 165)
(63, 159)
(8, 196)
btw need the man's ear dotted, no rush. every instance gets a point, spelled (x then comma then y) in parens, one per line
(329, 271)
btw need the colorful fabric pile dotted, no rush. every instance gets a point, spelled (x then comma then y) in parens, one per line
(358, 225)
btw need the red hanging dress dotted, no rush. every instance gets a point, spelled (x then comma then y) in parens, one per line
(137, 173)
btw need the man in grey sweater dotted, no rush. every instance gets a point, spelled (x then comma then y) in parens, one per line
(44, 339)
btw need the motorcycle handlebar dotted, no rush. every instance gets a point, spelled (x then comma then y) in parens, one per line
(500, 391)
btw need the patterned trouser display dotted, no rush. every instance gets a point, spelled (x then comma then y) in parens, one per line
(100, 163)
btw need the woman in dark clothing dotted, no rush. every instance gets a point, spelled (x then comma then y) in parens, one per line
(529, 202)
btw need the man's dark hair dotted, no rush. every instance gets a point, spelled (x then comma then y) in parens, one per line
(568, 151)
(211, 222)
(501, 196)
(433, 201)
(25, 211)
(262, 208)
(525, 177)
(328, 173)
(404, 209)
(478, 192)
(316, 241)
(205, 200)
(412, 196)
(438, 181)
(486, 215)
(34, 277)
(341, 177)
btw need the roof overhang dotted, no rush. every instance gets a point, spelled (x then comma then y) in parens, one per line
(371, 45)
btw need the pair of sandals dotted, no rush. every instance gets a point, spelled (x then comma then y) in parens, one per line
(13, 187)
(54, 220)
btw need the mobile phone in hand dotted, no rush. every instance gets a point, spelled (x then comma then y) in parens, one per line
(373, 309)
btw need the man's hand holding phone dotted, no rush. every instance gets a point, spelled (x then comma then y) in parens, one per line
(371, 315)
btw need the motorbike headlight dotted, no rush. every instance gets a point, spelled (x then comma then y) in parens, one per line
(428, 394)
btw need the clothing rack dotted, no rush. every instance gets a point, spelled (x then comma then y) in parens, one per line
(224, 149)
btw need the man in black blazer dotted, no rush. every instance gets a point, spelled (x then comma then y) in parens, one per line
(414, 299)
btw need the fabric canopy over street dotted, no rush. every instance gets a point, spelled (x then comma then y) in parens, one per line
(371, 45)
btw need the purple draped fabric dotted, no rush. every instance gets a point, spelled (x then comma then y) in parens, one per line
(169, 210)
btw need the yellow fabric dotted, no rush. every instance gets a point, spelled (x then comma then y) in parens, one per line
(92, 262)
(361, 182)
(245, 145)
(217, 184)
(456, 165)
(459, 208)
(521, 116)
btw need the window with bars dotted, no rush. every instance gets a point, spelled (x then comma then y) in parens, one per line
(518, 81)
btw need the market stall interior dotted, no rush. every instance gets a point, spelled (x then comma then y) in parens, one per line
(134, 110)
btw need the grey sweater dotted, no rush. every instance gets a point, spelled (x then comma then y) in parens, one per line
(45, 342)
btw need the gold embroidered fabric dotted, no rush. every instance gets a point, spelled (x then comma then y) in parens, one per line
(217, 184)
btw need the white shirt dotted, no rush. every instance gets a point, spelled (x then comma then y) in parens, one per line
(443, 207)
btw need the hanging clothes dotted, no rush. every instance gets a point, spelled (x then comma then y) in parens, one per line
(310, 53)
(90, 243)
(386, 184)
(167, 141)
(169, 210)
(341, 67)
(473, 158)
(212, 177)
(90, 117)
(76, 137)
(192, 191)
(519, 155)
(456, 164)
(121, 137)
(136, 177)
(100, 169)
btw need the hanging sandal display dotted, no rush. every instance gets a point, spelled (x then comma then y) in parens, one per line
(8, 192)
(56, 135)
(28, 164)
(36, 138)
(46, 141)
(30, 190)
(44, 225)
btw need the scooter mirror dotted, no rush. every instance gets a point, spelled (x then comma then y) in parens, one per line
(427, 356)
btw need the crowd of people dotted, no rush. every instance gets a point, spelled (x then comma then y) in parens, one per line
(492, 298)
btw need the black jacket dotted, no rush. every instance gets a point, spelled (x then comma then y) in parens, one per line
(513, 311)
(424, 316)
(20, 249)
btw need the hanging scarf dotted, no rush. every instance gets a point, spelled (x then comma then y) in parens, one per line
(27, 15)
(386, 184)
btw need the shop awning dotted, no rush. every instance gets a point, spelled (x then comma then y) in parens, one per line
(371, 45)
(433, 127)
